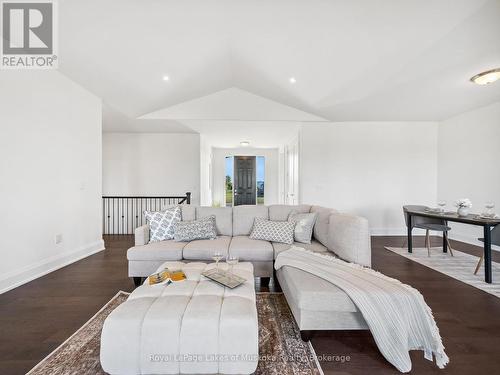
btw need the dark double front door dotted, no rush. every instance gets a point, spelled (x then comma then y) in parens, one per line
(244, 180)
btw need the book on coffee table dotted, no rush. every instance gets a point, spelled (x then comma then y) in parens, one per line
(224, 278)
(166, 276)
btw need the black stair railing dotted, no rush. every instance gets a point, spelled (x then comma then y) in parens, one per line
(122, 214)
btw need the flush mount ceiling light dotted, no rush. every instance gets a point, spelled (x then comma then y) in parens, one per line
(166, 78)
(484, 78)
(292, 80)
(245, 143)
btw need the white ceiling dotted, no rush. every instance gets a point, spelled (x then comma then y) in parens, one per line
(232, 104)
(353, 60)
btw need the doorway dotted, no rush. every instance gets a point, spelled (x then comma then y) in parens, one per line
(245, 185)
(245, 180)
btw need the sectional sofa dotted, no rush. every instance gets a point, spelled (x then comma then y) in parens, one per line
(315, 303)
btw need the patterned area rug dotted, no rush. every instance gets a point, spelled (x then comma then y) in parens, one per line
(461, 266)
(280, 348)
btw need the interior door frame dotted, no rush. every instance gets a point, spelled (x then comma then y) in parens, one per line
(291, 175)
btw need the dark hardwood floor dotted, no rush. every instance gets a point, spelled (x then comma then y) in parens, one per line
(37, 317)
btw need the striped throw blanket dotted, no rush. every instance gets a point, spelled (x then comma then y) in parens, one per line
(398, 317)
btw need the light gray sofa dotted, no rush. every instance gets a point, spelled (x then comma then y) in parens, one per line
(315, 303)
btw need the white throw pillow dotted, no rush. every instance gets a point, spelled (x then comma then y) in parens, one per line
(304, 224)
(162, 223)
(275, 231)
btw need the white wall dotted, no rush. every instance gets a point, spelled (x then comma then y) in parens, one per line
(151, 164)
(468, 163)
(271, 192)
(369, 168)
(50, 168)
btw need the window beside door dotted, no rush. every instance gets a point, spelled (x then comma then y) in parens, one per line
(229, 180)
(261, 173)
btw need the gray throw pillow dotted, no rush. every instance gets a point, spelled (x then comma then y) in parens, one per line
(275, 231)
(161, 223)
(201, 229)
(304, 225)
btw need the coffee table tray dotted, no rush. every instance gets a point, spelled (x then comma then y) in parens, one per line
(224, 278)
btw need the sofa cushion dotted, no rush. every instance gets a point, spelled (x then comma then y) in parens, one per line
(280, 212)
(277, 231)
(349, 238)
(205, 249)
(162, 223)
(312, 293)
(320, 230)
(243, 218)
(163, 250)
(223, 218)
(247, 249)
(304, 225)
(314, 246)
(188, 212)
(201, 229)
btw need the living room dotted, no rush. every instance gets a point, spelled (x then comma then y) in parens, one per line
(294, 147)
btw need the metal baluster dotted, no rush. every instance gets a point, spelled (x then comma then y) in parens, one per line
(136, 217)
(108, 213)
(122, 219)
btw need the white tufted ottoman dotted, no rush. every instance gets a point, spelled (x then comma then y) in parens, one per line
(189, 327)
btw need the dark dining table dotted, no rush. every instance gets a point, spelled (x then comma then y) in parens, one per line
(472, 219)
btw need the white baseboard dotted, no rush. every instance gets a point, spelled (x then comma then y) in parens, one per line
(45, 266)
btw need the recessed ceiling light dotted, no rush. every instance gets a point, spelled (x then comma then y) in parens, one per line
(166, 78)
(484, 78)
(245, 143)
(292, 80)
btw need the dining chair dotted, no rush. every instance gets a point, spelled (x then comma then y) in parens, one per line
(429, 224)
(495, 240)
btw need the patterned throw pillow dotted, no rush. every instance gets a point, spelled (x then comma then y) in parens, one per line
(304, 224)
(161, 223)
(275, 231)
(201, 229)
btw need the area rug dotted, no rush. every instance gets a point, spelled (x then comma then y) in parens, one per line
(461, 266)
(280, 347)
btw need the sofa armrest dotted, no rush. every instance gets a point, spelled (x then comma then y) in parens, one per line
(141, 235)
(349, 238)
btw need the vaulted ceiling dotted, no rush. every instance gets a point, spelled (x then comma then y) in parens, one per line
(352, 59)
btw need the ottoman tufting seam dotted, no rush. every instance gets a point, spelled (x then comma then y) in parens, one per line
(218, 337)
(140, 335)
(182, 320)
